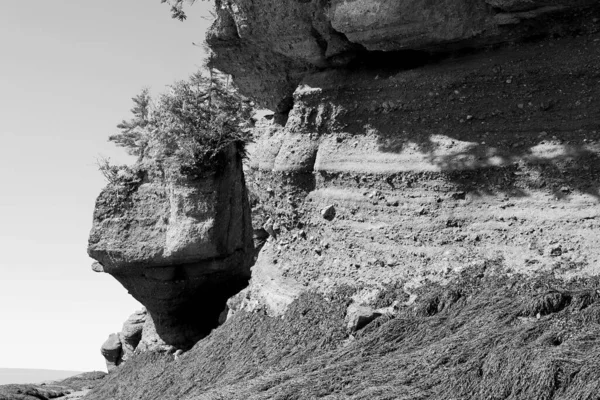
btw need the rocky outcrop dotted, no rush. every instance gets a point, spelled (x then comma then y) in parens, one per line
(181, 246)
(131, 333)
(119, 347)
(269, 47)
(112, 351)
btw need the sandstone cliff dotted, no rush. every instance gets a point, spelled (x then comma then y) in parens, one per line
(432, 217)
(269, 47)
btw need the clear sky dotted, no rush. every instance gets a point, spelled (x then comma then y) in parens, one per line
(68, 70)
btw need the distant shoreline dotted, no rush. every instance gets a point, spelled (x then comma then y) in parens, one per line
(33, 376)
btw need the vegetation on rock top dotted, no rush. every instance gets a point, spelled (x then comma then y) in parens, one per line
(195, 122)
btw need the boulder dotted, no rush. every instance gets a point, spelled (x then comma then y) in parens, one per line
(131, 333)
(328, 213)
(358, 316)
(111, 351)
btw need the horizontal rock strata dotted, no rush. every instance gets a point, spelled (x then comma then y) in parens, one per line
(482, 159)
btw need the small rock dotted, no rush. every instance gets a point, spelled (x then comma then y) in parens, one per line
(223, 315)
(357, 317)
(475, 238)
(554, 251)
(318, 250)
(328, 213)
(97, 267)
(565, 189)
(459, 195)
(177, 354)
(268, 227)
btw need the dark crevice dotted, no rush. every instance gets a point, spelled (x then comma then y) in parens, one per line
(319, 39)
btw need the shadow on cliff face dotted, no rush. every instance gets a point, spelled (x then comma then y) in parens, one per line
(487, 120)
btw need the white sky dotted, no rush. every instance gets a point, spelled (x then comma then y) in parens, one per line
(68, 70)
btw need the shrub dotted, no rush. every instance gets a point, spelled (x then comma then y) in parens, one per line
(195, 122)
(120, 175)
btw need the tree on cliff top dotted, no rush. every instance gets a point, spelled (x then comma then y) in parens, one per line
(195, 122)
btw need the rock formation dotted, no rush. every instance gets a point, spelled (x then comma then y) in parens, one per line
(431, 204)
(112, 351)
(269, 47)
(119, 347)
(131, 333)
(180, 246)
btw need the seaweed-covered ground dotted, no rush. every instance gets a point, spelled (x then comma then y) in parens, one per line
(487, 335)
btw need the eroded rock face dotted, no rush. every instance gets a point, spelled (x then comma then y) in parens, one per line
(111, 351)
(181, 247)
(131, 333)
(269, 47)
(468, 161)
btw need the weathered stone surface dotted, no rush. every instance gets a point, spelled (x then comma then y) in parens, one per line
(168, 222)
(408, 24)
(131, 333)
(357, 317)
(430, 170)
(181, 247)
(253, 28)
(269, 47)
(151, 340)
(111, 351)
(97, 267)
(119, 347)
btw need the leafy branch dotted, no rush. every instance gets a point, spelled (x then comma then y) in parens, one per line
(177, 8)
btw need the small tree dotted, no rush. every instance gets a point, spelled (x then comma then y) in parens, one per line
(132, 136)
(196, 121)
